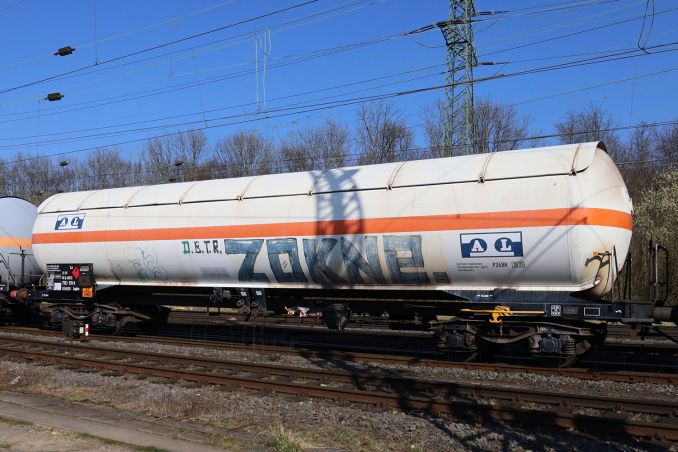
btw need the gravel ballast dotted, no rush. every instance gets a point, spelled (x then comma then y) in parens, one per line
(241, 419)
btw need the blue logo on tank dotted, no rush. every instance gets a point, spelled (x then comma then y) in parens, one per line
(492, 244)
(70, 221)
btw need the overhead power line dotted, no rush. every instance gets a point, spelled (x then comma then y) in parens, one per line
(253, 103)
(598, 17)
(300, 94)
(583, 62)
(289, 107)
(192, 52)
(353, 101)
(283, 61)
(11, 5)
(174, 19)
(216, 79)
(159, 46)
(299, 110)
(549, 8)
(567, 35)
(642, 29)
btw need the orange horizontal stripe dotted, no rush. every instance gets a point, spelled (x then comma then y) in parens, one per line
(15, 242)
(490, 220)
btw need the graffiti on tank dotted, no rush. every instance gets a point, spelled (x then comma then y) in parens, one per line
(317, 253)
(250, 248)
(284, 253)
(330, 261)
(146, 264)
(600, 259)
(355, 263)
(404, 252)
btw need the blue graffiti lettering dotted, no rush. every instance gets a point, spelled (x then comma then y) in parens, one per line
(316, 252)
(408, 245)
(250, 248)
(278, 247)
(355, 263)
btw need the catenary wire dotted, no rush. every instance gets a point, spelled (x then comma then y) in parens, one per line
(158, 46)
(50, 55)
(226, 42)
(594, 60)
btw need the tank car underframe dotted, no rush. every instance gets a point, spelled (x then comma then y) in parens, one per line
(113, 317)
(547, 324)
(541, 339)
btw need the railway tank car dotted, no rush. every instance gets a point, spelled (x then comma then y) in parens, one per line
(17, 264)
(512, 246)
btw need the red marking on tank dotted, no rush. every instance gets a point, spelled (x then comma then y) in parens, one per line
(76, 273)
(456, 222)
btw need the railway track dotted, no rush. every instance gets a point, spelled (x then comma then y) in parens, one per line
(596, 414)
(582, 373)
(181, 317)
(665, 336)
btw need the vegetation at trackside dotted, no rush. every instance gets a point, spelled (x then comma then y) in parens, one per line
(283, 440)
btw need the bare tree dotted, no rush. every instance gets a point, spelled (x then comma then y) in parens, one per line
(635, 159)
(158, 160)
(191, 150)
(331, 140)
(434, 128)
(179, 157)
(243, 154)
(319, 147)
(383, 134)
(641, 144)
(497, 128)
(667, 145)
(6, 179)
(296, 154)
(106, 168)
(35, 179)
(592, 124)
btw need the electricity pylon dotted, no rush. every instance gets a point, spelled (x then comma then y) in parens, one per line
(461, 58)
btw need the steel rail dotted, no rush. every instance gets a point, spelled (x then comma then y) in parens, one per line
(433, 397)
(620, 376)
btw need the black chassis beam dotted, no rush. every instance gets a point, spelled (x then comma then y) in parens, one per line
(556, 306)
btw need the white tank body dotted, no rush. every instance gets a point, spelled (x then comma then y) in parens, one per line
(18, 217)
(550, 219)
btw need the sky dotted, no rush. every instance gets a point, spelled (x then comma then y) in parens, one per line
(149, 67)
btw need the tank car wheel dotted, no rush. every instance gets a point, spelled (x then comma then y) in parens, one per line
(573, 350)
(336, 316)
(457, 344)
(120, 325)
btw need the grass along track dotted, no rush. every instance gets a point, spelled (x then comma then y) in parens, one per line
(596, 414)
